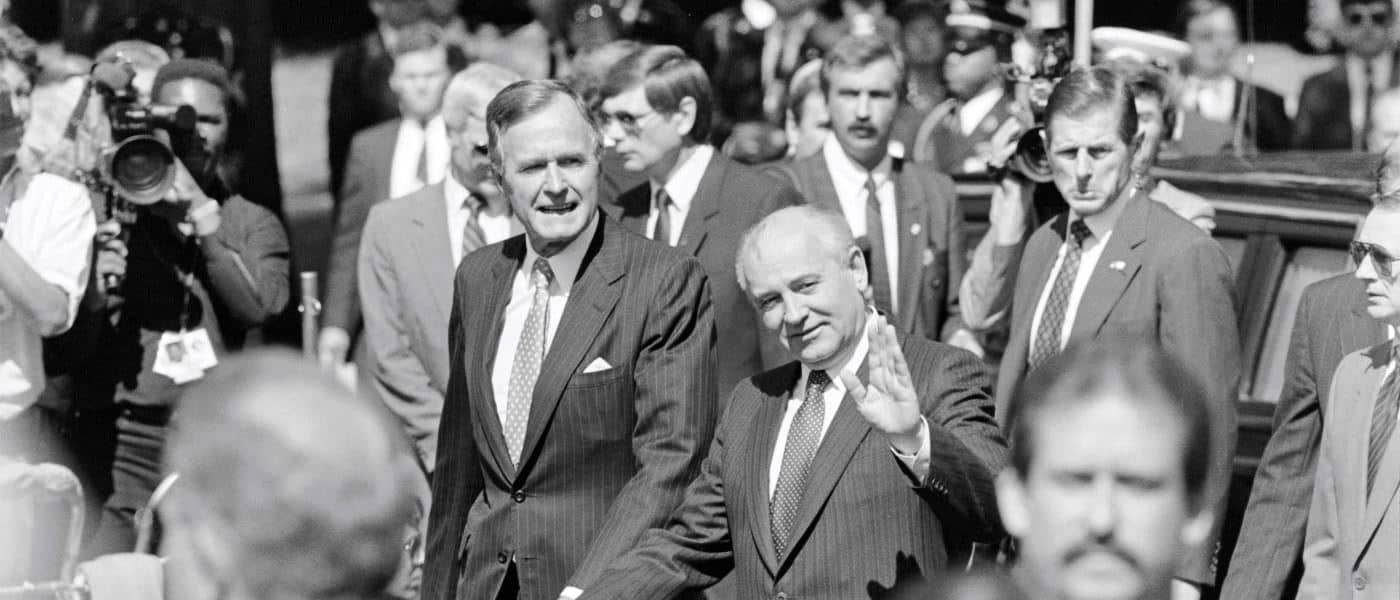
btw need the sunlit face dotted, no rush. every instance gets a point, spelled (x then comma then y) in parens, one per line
(648, 140)
(471, 161)
(1152, 124)
(967, 74)
(15, 80)
(1382, 229)
(549, 169)
(1366, 28)
(418, 80)
(207, 100)
(1104, 510)
(814, 125)
(1091, 164)
(809, 294)
(1214, 38)
(923, 41)
(862, 102)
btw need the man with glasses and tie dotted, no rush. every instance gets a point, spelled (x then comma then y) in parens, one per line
(904, 215)
(1353, 533)
(581, 397)
(1335, 108)
(657, 108)
(1118, 262)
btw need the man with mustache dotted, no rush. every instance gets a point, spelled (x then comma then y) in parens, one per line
(581, 397)
(1109, 480)
(1118, 262)
(904, 215)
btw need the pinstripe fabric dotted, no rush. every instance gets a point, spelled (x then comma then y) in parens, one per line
(1331, 322)
(606, 454)
(863, 526)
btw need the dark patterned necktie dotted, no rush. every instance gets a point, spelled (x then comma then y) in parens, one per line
(422, 172)
(1052, 319)
(878, 263)
(472, 235)
(804, 435)
(1382, 423)
(661, 231)
(1366, 108)
(525, 370)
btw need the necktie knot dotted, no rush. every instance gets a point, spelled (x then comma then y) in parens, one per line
(662, 200)
(541, 275)
(872, 190)
(817, 382)
(1079, 232)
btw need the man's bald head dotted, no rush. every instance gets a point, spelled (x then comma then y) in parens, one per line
(826, 230)
(290, 485)
(471, 90)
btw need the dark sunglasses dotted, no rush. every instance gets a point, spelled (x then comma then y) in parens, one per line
(1381, 261)
(967, 44)
(1357, 19)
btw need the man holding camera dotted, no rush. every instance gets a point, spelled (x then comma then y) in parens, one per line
(198, 270)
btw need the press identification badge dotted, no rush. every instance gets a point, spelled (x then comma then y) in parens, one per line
(184, 356)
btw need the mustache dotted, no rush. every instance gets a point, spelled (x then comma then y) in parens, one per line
(1083, 549)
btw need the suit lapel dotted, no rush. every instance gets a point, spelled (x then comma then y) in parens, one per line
(817, 176)
(704, 206)
(488, 337)
(909, 220)
(769, 418)
(591, 300)
(1038, 259)
(1117, 266)
(432, 246)
(1388, 477)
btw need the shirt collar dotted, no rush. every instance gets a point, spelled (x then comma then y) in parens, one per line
(1381, 67)
(845, 172)
(685, 179)
(455, 193)
(853, 363)
(567, 262)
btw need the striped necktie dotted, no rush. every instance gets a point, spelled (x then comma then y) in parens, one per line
(1382, 423)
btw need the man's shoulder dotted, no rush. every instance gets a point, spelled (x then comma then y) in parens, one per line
(929, 359)
(1171, 230)
(936, 184)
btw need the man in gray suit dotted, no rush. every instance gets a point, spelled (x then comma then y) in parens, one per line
(1268, 559)
(1352, 544)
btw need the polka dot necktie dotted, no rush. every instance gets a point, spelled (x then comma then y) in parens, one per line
(804, 435)
(1052, 320)
(526, 367)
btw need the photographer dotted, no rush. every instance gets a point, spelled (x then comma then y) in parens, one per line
(198, 270)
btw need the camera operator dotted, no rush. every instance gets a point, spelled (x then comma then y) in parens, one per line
(198, 270)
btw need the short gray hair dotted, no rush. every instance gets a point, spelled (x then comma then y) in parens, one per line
(823, 224)
(1388, 178)
(471, 90)
(526, 98)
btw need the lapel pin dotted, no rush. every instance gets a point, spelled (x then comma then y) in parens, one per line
(915, 229)
(1117, 265)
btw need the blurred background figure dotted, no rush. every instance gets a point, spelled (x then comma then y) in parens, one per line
(146, 58)
(1368, 67)
(1220, 111)
(270, 503)
(1385, 124)
(924, 38)
(808, 122)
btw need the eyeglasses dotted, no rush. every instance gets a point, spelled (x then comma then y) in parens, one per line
(1359, 18)
(1381, 261)
(631, 124)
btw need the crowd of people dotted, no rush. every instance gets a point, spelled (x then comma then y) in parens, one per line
(640, 307)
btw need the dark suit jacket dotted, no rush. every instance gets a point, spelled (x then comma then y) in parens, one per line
(931, 259)
(1353, 540)
(359, 97)
(1161, 276)
(1324, 110)
(1275, 131)
(607, 454)
(864, 525)
(1332, 321)
(367, 183)
(405, 288)
(730, 199)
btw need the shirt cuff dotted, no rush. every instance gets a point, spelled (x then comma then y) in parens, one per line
(918, 463)
(571, 592)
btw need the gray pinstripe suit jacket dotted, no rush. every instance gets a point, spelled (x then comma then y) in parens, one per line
(1331, 322)
(607, 454)
(864, 527)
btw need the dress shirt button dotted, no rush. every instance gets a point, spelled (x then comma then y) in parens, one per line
(1359, 582)
(518, 496)
(502, 557)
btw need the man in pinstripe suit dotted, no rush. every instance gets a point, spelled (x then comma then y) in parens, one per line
(1331, 322)
(581, 393)
(867, 465)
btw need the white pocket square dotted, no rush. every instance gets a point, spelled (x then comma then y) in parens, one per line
(597, 365)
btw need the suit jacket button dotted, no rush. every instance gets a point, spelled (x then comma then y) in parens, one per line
(518, 496)
(781, 596)
(502, 557)
(1359, 582)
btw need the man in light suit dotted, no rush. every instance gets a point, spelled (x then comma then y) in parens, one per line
(864, 467)
(581, 394)
(1352, 545)
(657, 105)
(1335, 107)
(410, 248)
(910, 227)
(1331, 322)
(386, 161)
(1119, 262)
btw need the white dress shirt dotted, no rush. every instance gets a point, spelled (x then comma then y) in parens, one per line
(972, 112)
(849, 180)
(1088, 260)
(1213, 99)
(681, 187)
(51, 227)
(565, 265)
(494, 228)
(1356, 82)
(403, 170)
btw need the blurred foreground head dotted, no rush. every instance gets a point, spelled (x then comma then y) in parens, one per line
(1110, 454)
(290, 487)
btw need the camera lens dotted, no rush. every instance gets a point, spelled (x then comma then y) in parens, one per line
(142, 169)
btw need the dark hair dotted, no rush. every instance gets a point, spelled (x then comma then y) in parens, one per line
(1195, 9)
(805, 80)
(523, 99)
(1148, 80)
(419, 37)
(1087, 89)
(204, 70)
(667, 76)
(1133, 369)
(860, 51)
(1345, 3)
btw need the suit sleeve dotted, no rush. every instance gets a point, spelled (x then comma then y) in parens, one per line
(966, 449)
(694, 550)
(248, 263)
(1271, 535)
(1197, 323)
(457, 479)
(770, 348)
(676, 412)
(342, 305)
(1322, 569)
(400, 378)
(985, 294)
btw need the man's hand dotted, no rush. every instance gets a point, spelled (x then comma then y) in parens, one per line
(110, 264)
(1010, 203)
(889, 403)
(332, 345)
(1185, 590)
(187, 207)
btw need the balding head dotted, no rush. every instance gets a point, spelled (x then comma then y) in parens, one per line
(290, 485)
(471, 90)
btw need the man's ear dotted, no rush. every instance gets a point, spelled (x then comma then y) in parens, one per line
(685, 116)
(1011, 502)
(855, 262)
